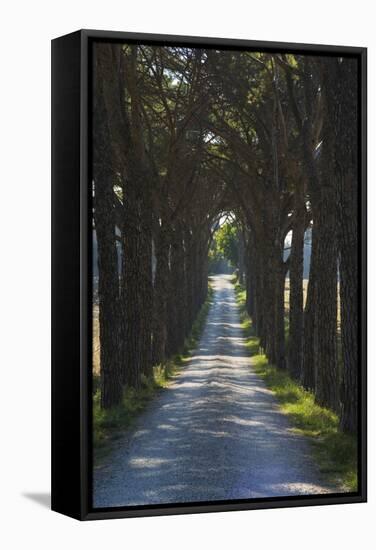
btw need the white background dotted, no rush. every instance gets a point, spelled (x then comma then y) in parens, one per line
(27, 28)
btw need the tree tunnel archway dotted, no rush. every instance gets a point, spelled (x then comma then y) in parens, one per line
(181, 135)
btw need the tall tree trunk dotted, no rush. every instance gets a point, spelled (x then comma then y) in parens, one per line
(137, 235)
(136, 296)
(325, 342)
(194, 276)
(273, 303)
(131, 291)
(188, 305)
(344, 116)
(161, 292)
(146, 282)
(241, 252)
(176, 310)
(108, 293)
(280, 348)
(104, 221)
(203, 268)
(295, 347)
(268, 302)
(349, 295)
(250, 282)
(258, 277)
(309, 321)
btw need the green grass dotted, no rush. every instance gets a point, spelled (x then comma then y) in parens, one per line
(334, 451)
(108, 425)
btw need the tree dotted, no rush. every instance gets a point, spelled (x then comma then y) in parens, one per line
(343, 116)
(105, 227)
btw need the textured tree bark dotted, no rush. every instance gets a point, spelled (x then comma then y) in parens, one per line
(161, 291)
(349, 295)
(325, 339)
(309, 322)
(203, 268)
(179, 259)
(194, 276)
(176, 310)
(132, 285)
(269, 311)
(273, 302)
(131, 288)
(258, 263)
(324, 216)
(108, 275)
(280, 347)
(241, 258)
(343, 113)
(136, 300)
(188, 318)
(249, 276)
(146, 283)
(108, 293)
(295, 346)
(264, 240)
(137, 236)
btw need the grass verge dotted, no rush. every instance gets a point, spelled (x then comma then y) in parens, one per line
(334, 451)
(108, 425)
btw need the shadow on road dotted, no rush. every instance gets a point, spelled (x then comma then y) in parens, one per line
(217, 433)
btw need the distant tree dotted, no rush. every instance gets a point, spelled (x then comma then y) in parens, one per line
(227, 240)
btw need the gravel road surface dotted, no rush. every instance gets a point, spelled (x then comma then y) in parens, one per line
(216, 433)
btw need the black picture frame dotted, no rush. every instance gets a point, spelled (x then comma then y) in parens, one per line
(71, 277)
